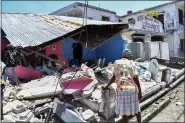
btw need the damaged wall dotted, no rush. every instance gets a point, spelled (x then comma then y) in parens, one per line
(111, 50)
(67, 50)
(54, 49)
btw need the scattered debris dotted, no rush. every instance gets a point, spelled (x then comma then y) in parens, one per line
(179, 103)
(78, 96)
(88, 115)
(173, 94)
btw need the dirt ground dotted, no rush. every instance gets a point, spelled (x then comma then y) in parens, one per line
(174, 112)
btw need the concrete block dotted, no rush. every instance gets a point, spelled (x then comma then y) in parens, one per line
(66, 114)
(43, 101)
(96, 94)
(12, 106)
(24, 114)
(94, 106)
(151, 49)
(88, 115)
(25, 117)
(7, 109)
(18, 108)
(36, 120)
(140, 49)
(155, 52)
(8, 119)
(164, 50)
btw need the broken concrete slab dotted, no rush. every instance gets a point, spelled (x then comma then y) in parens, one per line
(96, 94)
(8, 118)
(9, 91)
(15, 106)
(36, 120)
(108, 100)
(18, 109)
(66, 114)
(42, 101)
(39, 88)
(93, 105)
(25, 116)
(78, 84)
(88, 115)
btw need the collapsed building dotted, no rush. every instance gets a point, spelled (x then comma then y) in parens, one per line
(73, 96)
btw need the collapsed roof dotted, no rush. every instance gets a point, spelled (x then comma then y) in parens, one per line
(30, 30)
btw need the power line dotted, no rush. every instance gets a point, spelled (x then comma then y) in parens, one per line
(49, 113)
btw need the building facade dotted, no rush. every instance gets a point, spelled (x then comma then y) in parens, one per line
(64, 50)
(93, 13)
(172, 19)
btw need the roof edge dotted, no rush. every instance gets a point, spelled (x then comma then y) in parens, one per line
(81, 4)
(165, 4)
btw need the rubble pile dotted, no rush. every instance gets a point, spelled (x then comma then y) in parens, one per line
(30, 102)
(78, 97)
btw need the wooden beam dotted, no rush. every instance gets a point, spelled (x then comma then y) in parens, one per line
(44, 56)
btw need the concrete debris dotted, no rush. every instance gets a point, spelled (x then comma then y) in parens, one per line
(25, 116)
(36, 120)
(108, 100)
(88, 115)
(173, 94)
(9, 92)
(66, 114)
(179, 103)
(96, 94)
(83, 100)
(147, 75)
(18, 108)
(39, 88)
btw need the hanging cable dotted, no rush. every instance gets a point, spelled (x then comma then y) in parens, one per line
(49, 113)
(83, 54)
(86, 26)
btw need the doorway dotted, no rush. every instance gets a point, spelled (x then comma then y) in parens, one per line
(77, 51)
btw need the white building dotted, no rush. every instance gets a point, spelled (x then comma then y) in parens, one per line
(95, 13)
(172, 18)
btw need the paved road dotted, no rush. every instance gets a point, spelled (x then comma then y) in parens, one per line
(174, 112)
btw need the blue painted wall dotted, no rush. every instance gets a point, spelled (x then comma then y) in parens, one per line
(111, 50)
(68, 53)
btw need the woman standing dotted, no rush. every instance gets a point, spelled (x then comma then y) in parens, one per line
(128, 87)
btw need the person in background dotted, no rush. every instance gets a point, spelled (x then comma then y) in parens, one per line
(11, 64)
(128, 87)
(2, 91)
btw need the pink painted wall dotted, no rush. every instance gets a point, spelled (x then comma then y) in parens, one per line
(4, 43)
(27, 73)
(56, 49)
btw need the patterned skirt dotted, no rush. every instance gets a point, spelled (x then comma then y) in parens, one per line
(127, 103)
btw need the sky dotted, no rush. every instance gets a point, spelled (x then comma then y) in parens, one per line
(46, 7)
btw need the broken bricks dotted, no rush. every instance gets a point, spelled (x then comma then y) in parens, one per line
(88, 115)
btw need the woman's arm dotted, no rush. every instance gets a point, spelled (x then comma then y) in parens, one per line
(110, 82)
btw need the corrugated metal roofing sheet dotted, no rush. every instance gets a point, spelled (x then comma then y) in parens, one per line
(31, 29)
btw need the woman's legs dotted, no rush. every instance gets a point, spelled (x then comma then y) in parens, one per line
(138, 116)
(14, 76)
(7, 70)
(125, 119)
